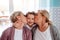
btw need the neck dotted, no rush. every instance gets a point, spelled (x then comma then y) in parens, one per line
(43, 26)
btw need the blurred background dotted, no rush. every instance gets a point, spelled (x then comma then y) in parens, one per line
(8, 6)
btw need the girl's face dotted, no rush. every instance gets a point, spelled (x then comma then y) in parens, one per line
(30, 20)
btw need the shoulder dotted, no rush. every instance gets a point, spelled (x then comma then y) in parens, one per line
(7, 31)
(55, 31)
(54, 28)
(26, 29)
(27, 32)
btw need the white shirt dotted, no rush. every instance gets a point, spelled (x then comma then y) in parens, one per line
(18, 34)
(42, 35)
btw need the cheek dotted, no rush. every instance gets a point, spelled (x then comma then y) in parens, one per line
(28, 20)
(44, 18)
(36, 20)
(32, 21)
(40, 19)
(15, 24)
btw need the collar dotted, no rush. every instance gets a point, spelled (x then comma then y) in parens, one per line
(30, 27)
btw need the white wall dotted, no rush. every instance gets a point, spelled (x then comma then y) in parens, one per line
(26, 5)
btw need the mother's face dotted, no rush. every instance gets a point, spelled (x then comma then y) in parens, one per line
(38, 18)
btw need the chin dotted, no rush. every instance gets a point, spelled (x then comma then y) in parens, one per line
(30, 25)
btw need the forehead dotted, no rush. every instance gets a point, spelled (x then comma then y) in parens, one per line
(30, 16)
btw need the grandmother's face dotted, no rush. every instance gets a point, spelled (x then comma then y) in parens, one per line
(18, 24)
(22, 18)
(20, 21)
